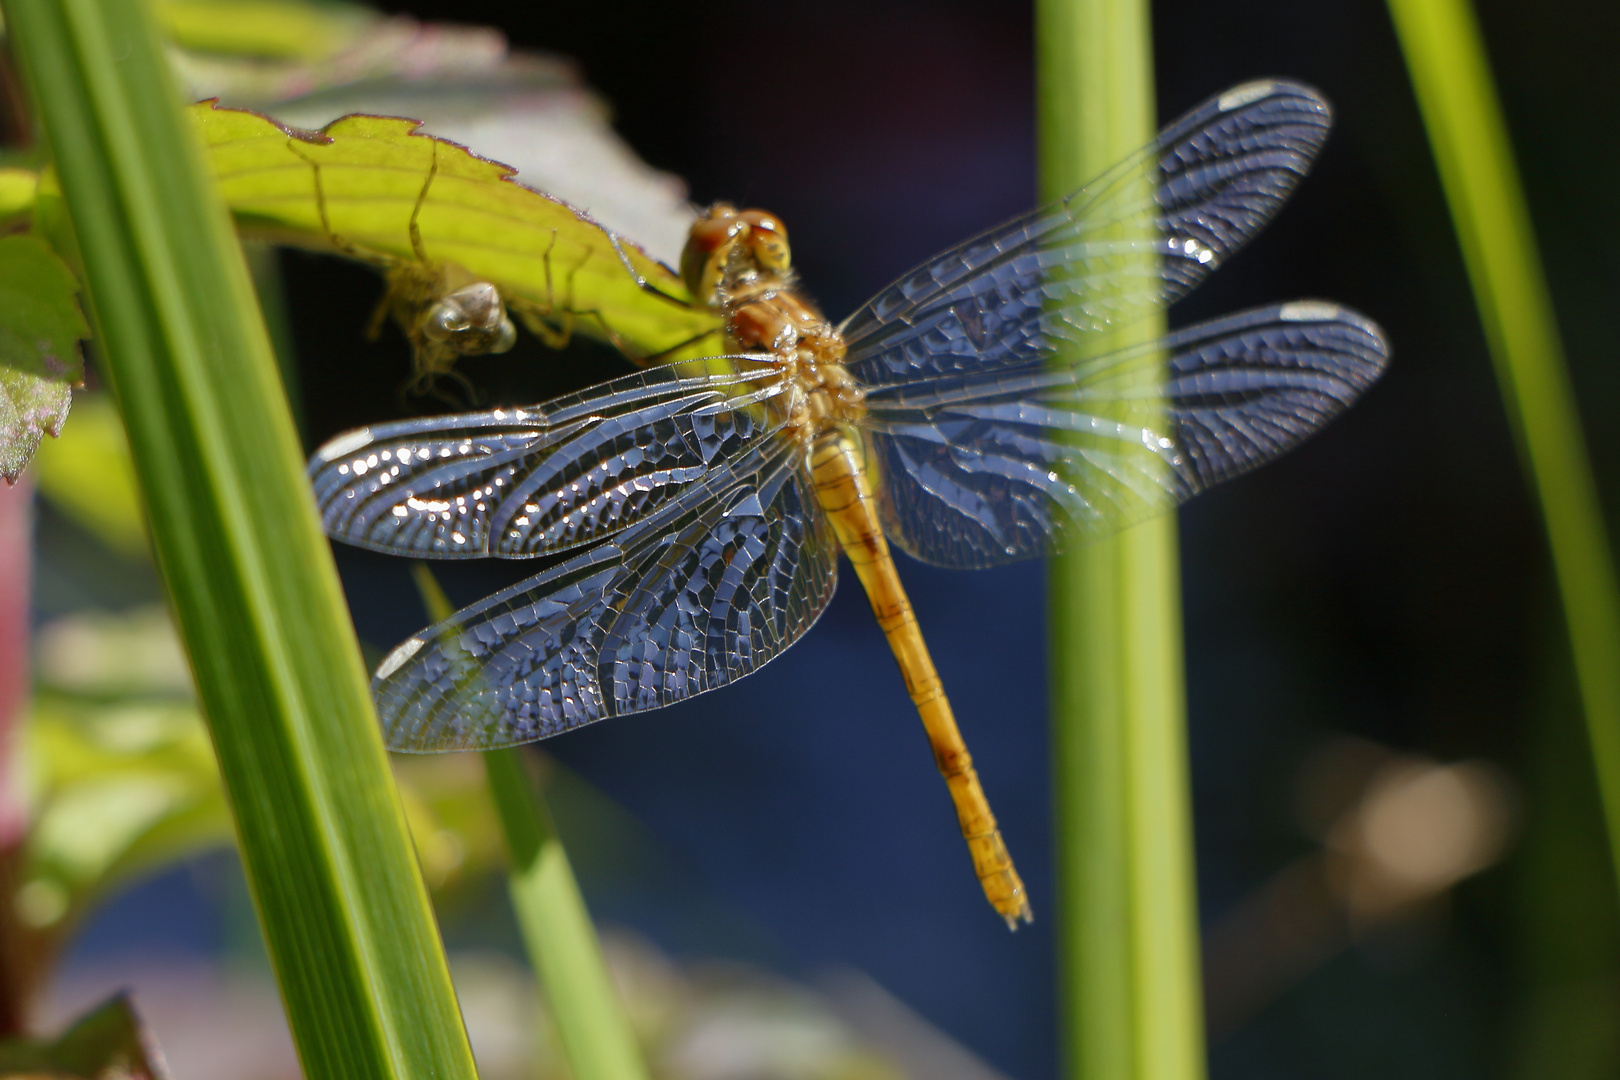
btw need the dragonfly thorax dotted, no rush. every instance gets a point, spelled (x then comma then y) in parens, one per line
(823, 395)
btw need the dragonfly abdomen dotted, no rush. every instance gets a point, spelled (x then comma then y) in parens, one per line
(845, 493)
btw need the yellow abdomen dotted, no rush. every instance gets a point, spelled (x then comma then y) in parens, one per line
(845, 493)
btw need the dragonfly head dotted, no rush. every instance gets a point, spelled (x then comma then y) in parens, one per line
(724, 235)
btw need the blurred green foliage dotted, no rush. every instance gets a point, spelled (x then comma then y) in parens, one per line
(121, 777)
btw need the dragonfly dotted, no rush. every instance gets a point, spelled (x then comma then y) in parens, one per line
(957, 416)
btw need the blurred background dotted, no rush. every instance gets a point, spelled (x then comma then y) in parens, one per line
(1402, 870)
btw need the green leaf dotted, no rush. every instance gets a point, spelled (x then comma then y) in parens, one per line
(121, 777)
(122, 780)
(267, 50)
(561, 941)
(289, 29)
(107, 656)
(356, 187)
(110, 1042)
(40, 330)
(18, 188)
(119, 789)
(458, 839)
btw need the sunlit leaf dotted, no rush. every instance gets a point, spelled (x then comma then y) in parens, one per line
(17, 191)
(357, 186)
(452, 820)
(270, 50)
(118, 789)
(133, 653)
(51, 221)
(40, 330)
(289, 29)
(120, 773)
(532, 113)
(122, 778)
(308, 63)
(110, 1042)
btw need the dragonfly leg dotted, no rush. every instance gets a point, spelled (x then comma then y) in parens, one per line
(642, 283)
(379, 315)
(537, 317)
(659, 357)
(413, 228)
(845, 494)
(553, 322)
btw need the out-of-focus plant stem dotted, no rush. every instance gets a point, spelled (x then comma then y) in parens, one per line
(557, 930)
(16, 565)
(1451, 74)
(18, 955)
(1129, 986)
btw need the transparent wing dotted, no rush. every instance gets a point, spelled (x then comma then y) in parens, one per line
(517, 483)
(1198, 193)
(700, 593)
(991, 467)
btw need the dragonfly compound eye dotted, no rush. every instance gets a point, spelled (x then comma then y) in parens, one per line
(767, 239)
(708, 246)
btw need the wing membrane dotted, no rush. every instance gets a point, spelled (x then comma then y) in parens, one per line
(1208, 183)
(991, 467)
(696, 595)
(517, 483)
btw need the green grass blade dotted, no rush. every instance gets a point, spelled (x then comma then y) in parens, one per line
(1451, 75)
(557, 929)
(251, 580)
(1129, 990)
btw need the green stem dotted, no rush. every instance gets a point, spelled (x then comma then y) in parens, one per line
(344, 912)
(1451, 75)
(557, 929)
(1129, 994)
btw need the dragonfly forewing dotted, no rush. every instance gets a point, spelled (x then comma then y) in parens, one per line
(996, 466)
(696, 595)
(517, 483)
(1016, 293)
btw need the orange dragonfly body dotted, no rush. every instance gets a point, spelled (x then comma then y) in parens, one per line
(708, 499)
(739, 262)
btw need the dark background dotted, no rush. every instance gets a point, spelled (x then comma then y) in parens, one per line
(1389, 580)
